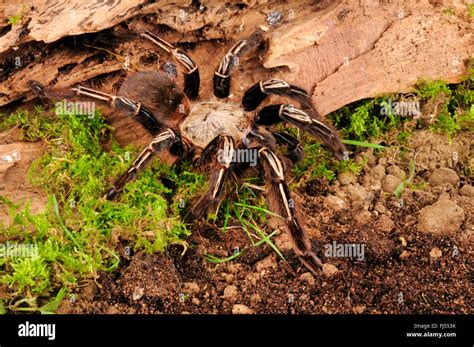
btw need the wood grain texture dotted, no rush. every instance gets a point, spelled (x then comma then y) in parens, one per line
(353, 51)
(341, 51)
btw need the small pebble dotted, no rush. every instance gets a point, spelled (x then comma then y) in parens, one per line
(308, 278)
(467, 190)
(443, 217)
(231, 293)
(384, 224)
(404, 255)
(191, 287)
(396, 171)
(334, 203)
(390, 183)
(444, 175)
(378, 172)
(346, 178)
(255, 299)
(138, 293)
(435, 253)
(362, 217)
(329, 270)
(241, 309)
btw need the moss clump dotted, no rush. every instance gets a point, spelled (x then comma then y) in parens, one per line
(80, 233)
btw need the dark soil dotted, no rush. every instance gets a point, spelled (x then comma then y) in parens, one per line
(398, 274)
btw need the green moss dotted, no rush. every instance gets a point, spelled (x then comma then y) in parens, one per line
(28, 273)
(426, 90)
(317, 163)
(80, 233)
(366, 119)
(457, 111)
(15, 19)
(352, 166)
(470, 10)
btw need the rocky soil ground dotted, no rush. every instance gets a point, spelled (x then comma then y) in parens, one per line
(418, 249)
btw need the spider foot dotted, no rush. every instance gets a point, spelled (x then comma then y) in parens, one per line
(110, 194)
(311, 261)
(183, 244)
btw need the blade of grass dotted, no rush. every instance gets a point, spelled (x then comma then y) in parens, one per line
(411, 174)
(264, 236)
(213, 259)
(227, 216)
(261, 209)
(63, 227)
(3, 310)
(52, 306)
(362, 144)
(253, 225)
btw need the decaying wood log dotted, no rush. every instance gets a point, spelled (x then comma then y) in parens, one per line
(342, 51)
(350, 52)
(51, 20)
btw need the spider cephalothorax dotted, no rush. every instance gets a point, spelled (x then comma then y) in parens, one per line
(213, 130)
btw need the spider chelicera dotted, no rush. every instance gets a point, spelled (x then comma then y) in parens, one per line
(211, 131)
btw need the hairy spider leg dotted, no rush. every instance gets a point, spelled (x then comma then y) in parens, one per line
(191, 75)
(255, 95)
(295, 150)
(222, 75)
(166, 139)
(218, 154)
(139, 111)
(273, 114)
(280, 202)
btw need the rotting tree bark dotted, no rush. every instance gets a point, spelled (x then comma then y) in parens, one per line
(349, 52)
(342, 51)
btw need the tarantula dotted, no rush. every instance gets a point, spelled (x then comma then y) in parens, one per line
(213, 130)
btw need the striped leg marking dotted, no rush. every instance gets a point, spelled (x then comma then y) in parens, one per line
(273, 114)
(255, 95)
(294, 147)
(164, 140)
(222, 150)
(230, 60)
(136, 109)
(280, 202)
(191, 77)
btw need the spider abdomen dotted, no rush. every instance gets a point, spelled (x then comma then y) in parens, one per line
(158, 93)
(207, 120)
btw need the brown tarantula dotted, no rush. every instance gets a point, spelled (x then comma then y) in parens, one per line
(214, 130)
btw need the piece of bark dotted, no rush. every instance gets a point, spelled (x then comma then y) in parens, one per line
(51, 70)
(51, 20)
(340, 51)
(354, 51)
(213, 19)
